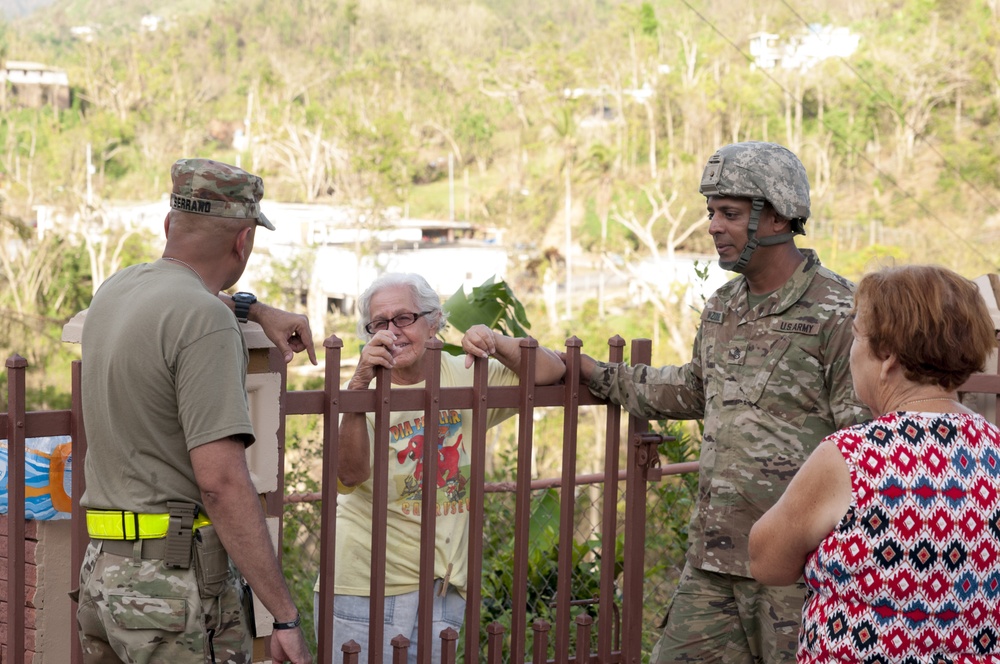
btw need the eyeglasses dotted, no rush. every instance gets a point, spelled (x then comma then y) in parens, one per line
(400, 321)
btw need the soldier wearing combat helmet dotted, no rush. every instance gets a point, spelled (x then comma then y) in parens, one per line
(769, 377)
(764, 173)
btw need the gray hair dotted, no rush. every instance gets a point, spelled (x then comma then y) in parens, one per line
(426, 299)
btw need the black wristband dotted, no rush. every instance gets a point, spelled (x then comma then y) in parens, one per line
(292, 624)
(242, 302)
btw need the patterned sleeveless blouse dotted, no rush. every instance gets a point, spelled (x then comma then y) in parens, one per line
(911, 575)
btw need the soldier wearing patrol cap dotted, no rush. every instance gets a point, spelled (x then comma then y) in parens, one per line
(769, 376)
(171, 507)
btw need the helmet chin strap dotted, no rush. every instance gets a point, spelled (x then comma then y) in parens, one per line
(740, 264)
(775, 239)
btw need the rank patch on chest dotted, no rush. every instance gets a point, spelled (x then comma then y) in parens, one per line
(796, 327)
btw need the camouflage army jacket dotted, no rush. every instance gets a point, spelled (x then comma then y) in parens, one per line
(770, 383)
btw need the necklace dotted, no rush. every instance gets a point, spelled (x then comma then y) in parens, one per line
(912, 401)
(177, 260)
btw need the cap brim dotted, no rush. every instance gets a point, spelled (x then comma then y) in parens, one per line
(263, 221)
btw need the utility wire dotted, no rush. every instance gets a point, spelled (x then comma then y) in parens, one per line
(843, 140)
(903, 119)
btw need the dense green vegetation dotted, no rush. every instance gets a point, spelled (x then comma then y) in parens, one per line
(362, 102)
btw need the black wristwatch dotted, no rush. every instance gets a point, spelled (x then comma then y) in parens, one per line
(243, 300)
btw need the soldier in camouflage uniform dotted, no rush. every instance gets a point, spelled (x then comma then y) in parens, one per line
(769, 376)
(171, 508)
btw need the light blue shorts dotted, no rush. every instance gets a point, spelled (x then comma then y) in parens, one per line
(350, 621)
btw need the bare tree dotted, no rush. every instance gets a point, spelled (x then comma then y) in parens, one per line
(114, 81)
(104, 241)
(306, 156)
(678, 229)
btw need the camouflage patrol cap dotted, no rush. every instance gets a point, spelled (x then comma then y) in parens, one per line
(759, 170)
(208, 187)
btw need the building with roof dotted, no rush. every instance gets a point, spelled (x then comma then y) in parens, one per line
(34, 85)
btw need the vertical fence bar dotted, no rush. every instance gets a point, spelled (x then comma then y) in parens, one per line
(540, 642)
(477, 480)
(380, 503)
(78, 528)
(328, 525)
(494, 643)
(583, 627)
(428, 503)
(449, 645)
(400, 649)
(567, 502)
(635, 529)
(606, 614)
(15, 507)
(522, 501)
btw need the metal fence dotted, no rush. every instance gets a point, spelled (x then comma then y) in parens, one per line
(579, 591)
(587, 585)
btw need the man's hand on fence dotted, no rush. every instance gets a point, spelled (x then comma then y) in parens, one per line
(289, 332)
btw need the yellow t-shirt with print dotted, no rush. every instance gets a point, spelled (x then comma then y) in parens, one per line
(406, 440)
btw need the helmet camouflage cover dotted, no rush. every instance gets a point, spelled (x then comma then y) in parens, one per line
(760, 170)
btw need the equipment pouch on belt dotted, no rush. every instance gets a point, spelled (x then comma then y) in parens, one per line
(211, 562)
(179, 534)
(246, 597)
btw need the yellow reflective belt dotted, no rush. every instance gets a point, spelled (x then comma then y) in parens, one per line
(119, 525)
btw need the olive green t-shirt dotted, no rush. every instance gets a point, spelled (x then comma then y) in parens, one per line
(163, 371)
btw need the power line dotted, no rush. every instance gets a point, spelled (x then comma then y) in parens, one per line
(844, 141)
(902, 118)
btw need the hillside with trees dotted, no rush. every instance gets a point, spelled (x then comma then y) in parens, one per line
(601, 113)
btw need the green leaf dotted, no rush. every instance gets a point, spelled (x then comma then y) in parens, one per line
(452, 349)
(543, 529)
(492, 304)
(464, 311)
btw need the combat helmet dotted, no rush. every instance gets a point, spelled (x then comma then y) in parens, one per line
(762, 172)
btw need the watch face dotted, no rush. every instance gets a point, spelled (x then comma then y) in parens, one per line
(249, 298)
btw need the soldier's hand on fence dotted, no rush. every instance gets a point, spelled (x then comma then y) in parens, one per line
(587, 366)
(289, 332)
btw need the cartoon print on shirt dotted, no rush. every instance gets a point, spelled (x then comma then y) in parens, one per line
(452, 457)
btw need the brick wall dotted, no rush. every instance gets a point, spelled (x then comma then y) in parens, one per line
(30, 582)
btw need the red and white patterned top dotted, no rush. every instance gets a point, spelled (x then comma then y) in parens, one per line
(912, 573)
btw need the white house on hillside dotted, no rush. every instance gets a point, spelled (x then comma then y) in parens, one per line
(347, 253)
(802, 51)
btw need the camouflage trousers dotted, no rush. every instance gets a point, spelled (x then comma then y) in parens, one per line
(138, 611)
(726, 619)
